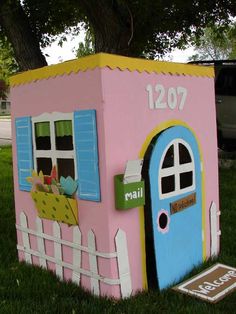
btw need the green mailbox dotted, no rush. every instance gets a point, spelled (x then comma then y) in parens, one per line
(128, 195)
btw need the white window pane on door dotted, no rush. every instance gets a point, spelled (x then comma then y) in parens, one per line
(169, 158)
(184, 155)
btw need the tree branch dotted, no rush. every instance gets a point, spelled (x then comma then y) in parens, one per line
(111, 23)
(25, 44)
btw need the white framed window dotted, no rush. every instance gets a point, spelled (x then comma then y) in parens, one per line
(53, 143)
(176, 170)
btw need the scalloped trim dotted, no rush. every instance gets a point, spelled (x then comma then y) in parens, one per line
(103, 60)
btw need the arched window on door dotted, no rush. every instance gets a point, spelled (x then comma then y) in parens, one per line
(176, 170)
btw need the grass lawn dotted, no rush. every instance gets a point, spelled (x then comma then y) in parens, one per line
(26, 289)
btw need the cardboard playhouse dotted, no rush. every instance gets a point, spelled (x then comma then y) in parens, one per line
(115, 171)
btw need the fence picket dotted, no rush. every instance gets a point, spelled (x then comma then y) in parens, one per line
(25, 237)
(40, 242)
(123, 264)
(76, 255)
(214, 232)
(93, 263)
(57, 249)
(121, 253)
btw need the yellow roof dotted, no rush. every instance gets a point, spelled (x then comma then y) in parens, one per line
(102, 60)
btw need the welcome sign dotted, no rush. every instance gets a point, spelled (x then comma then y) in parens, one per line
(212, 284)
(183, 203)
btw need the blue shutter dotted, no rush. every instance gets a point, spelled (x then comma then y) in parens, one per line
(24, 151)
(85, 138)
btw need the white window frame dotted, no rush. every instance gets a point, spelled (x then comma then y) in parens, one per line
(53, 153)
(176, 169)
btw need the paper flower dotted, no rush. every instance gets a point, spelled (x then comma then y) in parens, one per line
(36, 180)
(42, 183)
(55, 189)
(69, 185)
(50, 183)
(53, 176)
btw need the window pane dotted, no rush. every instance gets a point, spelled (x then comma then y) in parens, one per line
(169, 158)
(66, 167)
(168, 184)
(45, 165)
(186, 179)
(4, 105)
(42, 136)
(63, 132)
(226, 82)
(184, 156)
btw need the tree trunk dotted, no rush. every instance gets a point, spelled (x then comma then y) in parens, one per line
(25, 43)
(112, 25)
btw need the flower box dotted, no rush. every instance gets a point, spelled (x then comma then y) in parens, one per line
(56, 207)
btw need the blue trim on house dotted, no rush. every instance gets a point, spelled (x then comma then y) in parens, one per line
(24, 148)
(86, 147)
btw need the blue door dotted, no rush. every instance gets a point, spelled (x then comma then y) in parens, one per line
(176, 201)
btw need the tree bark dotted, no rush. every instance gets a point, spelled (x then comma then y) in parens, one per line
(112, 25)
(25, 43)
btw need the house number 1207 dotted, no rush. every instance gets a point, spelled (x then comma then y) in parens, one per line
(162, 97)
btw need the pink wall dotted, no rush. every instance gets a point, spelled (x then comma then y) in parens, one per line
(66, 94)
(128, 122)
(124, 120)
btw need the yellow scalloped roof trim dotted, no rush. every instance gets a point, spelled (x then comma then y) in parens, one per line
(102, 60)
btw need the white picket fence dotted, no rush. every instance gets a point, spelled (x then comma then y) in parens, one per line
(121, 255)
(215, 233)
